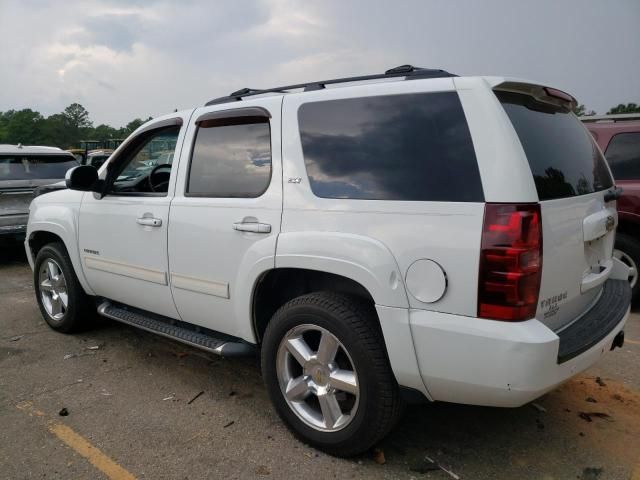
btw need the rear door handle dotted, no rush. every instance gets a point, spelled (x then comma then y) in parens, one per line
(255, 227)
(149, 221)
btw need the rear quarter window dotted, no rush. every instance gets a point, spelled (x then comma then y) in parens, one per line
(562, 154)
(623, 155)
(414, 147)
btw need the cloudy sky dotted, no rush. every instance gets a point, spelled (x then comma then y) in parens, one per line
(125, 59)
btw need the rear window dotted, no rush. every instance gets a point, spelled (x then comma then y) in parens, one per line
(623, 155)
(35, 166)
(563, 156)
(393, 147)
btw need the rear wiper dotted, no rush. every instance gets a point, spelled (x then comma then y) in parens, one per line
(613, 194)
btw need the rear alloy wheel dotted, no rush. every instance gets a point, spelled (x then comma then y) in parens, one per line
(629, 262)
(320, 386)
(627, 250)
(325, 366)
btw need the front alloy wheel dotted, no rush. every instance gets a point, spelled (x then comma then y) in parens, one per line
(317, 378)
(53, 289)
(63, 303)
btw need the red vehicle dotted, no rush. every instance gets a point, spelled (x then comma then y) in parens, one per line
(619, 138)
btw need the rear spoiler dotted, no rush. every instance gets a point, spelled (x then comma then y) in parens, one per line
(543, 94)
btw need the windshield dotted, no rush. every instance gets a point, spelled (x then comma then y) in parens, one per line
(23, 167)
(563, 156)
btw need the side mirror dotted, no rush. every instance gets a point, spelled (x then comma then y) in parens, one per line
(83, 178)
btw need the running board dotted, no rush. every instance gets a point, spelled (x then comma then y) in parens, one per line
(211, 342)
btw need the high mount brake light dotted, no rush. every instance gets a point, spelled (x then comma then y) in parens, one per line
(554, 92)
(510, 261)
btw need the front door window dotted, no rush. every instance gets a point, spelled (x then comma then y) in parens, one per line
(146, 168)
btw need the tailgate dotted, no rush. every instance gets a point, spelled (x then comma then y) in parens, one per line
(572, 179)
(578, 236)
(15, 200)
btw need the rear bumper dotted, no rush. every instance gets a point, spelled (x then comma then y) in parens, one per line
(484, 362)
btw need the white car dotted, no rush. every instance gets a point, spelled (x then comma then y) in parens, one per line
(375, 238)
(25, 172)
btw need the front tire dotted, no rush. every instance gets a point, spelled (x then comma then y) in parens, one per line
(63, 303)
(326, 370)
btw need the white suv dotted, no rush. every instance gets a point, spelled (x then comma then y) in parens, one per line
(375, 238)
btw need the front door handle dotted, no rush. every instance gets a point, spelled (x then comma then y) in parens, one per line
(255, 227)
(149, 221)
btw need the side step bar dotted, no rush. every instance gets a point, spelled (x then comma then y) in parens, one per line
(210, 341)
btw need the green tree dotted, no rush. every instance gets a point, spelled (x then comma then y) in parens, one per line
(579, 110)
(78, 123)
(23, 126)
(5, 119)
(77, 116)
(57, 132)
(104, 132)
(131, 126)
(622, 108)
(582, 111)
(64, 129)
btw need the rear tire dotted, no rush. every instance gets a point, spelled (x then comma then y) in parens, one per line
(63, 303)
(629, 253)
(366, 403)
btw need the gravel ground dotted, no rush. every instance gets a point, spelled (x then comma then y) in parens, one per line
(129, 398)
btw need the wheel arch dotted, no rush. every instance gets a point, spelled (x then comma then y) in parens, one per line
(629, 224)
(279, 285)
(43, 233)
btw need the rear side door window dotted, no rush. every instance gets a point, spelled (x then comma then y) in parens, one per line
(414, 147)
(623, 155)
(231, 160)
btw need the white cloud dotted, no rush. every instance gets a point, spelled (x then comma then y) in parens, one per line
(125, 59)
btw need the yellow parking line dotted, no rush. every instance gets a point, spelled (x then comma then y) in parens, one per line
(633, 342)
(80, 445)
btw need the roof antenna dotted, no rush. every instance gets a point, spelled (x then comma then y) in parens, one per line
(19, 145)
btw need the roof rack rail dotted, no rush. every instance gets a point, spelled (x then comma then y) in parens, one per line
(408, 71)
(611, 118)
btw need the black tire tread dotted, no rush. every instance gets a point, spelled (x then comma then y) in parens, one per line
(83, 305)
(358, 314)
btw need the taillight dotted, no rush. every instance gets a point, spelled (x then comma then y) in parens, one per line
(510, 261)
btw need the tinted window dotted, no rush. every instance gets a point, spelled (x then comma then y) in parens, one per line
(231, 160)
(562, 154)
(395, 147)
(33, 166)
(623, 155)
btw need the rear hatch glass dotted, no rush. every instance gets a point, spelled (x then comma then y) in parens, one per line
(21, 174)
(28, 167)
(571, 178)
(563, 157)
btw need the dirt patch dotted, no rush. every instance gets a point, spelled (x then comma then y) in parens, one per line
(608, 416)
